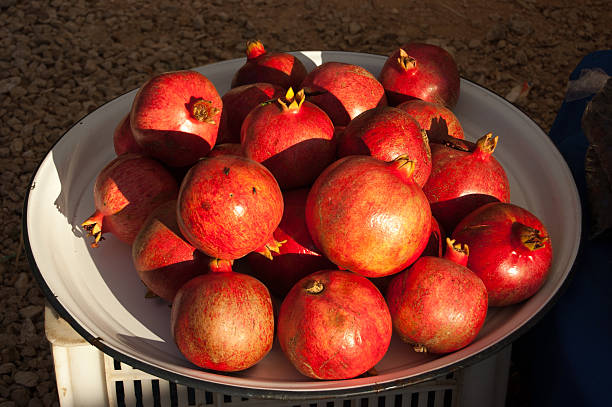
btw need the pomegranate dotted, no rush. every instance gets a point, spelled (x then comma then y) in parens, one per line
(437, 120)
(462, 181)
(297, 257)
(343, 90)
(238, 102)
(225, 149)
(123, 138)
(223, 321)
(369, 216)
(229, 206)
(126, 191)
(291, 137)
(163, 259)
(175, 117)
(438, 304)
(385, 133)
(510, 251)
(279, 68)
(334, 325)
(435, 244)
(421, 71)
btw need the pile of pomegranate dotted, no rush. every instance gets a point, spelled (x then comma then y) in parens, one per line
(355, 202)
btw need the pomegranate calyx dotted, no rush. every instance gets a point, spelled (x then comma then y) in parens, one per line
(220, 265)
(404, 165)
(314, 287)
(530, 237)
(293, 101)
(272, 246)
(93, 227)
(254, 48)
(419, 348)
(406, 61)
(456, 252)
(203, 110)
(486, 145)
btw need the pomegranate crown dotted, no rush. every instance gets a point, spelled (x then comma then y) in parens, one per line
(404, 166)
(486, 145)
(456, 252)
(406, 61)
(254, 48)
(293, 101)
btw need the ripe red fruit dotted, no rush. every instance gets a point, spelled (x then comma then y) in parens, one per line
(334, 325)
(126, 191)
(510, 251)
(461, 181)
(175, 117)
(291, 137)
(229, 206)
(343, 90)
(238, 102)
(385, 133)
(437, 120)
(369, 216)
(223, 321)
(225, 149)
(278, 68)
(421, 71)
(163, 259)
(438, 304)
(123, 139)
(297, 256)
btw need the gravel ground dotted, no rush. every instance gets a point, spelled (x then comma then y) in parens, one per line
(61, 59)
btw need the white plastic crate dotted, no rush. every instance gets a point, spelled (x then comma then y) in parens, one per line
(87, 377)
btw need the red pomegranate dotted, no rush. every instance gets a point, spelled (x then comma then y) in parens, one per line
(278, 68)
(369, 216)
(238, 102)
(225, 149)
(175, 117)
(438, 121)
(229, 206)
(297, 257)
(438, 304)
(510, 251)
(343, 90)
(385, 133)
(421, 71)
(223, 321)
(123, 139)
(163, 259)
(461, 181)
(334, 325)
(291, 137)
(126, 191)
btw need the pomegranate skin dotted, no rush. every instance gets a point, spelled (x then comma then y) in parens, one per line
(229, 206)
(437, 305)
(343, 90)
(366, 217)
(226, 149)
(238, 102)
(421, 71)
(175, 117)
(163, 259)
(437, 120)
(123, 139)
(297, 256)
(126, 191)
(223, 321)
(278, 68)
(385, 133)
(509, 268)
(461, 181)
(334, 325)
(435, 244)
(291, 137)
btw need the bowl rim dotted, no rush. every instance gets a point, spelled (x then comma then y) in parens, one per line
(288, 394)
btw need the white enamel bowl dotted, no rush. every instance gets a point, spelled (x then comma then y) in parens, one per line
(98, 292)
